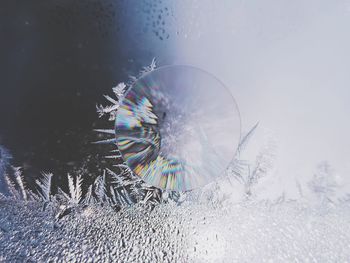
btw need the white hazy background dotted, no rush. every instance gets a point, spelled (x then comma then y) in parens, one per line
(287, 63)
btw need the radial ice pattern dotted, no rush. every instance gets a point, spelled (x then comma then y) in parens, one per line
(178, 128)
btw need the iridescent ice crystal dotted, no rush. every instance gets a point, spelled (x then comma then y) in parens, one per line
(178, 128)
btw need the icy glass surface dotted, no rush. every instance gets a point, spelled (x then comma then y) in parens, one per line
(191, 232)
(178, 127)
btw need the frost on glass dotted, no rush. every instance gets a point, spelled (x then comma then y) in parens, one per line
(119, 217)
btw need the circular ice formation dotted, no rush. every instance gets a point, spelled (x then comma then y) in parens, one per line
(178, 128)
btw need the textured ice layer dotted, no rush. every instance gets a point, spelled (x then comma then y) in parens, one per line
(178, 128)
(287, 232)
